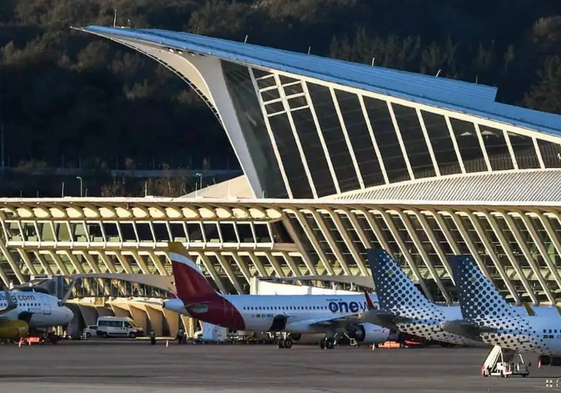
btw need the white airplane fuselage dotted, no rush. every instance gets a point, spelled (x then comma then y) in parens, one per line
(41, 310)
(540, 334)
(287, 313)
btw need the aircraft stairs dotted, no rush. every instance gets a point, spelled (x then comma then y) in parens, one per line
(501, 362)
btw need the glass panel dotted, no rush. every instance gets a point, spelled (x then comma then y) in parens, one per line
(195, 233)
(211, 232)
(111, 232)
(270, 95)
(414, 141)
(285, 79)
(469, 146)
(313, 150)
(262, 233)
(297, 102)
(266, 82)
(260, 73)
(497, 149)
(551, 154)
(360, 138)
(46, 231)
(62, 233)
(177, 232)
(245, 232)
(29, 231)
(524, 151)
(240, 87)
(293, 89)
(144, 232)
(161, 232)
(127, 230)
(228, 232)
(442, 144)
(275, 107)
(334, 138)
(290, 157)
(94, 229)
(386, 138)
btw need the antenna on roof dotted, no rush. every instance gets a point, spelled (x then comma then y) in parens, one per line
(438, 73)
(115, 18)
(476, 79)
(309, 49)
(245, 40)
(198, 30)
(129, 23)
(373, 61)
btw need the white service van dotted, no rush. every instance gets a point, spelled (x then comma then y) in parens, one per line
(118, 327)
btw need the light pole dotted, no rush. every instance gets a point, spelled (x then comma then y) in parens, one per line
(80, 178)
(200, 176)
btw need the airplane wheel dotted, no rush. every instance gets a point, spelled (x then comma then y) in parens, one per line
(322, 344)
(281, 343)
(329, 343)
(288, 343)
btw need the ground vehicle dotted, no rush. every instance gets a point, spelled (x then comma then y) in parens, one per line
(504, 363)
(118, 327)
(90, 331)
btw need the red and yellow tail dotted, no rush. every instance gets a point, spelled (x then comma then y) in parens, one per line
(189, 280)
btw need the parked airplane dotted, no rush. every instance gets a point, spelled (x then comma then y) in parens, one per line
(487, 314)
(403, 307)
(22, 311)
(294, 315)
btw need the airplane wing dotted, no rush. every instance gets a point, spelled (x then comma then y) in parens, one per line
(12, 305)
(383, 318)
(463, 327)
(379, 317)
(333, 323)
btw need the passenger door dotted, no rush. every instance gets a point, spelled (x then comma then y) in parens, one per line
(46, 305)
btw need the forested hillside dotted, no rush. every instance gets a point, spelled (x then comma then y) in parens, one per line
(67, 96)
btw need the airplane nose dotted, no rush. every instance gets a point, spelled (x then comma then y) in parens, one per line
(68, 313)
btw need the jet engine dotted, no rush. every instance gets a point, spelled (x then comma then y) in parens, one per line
(367, 333)
(13, 330)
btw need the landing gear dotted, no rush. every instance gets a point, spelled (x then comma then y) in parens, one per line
(285, 342)
(327, 343)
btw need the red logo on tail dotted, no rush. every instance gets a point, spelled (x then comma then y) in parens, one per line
(189, 280)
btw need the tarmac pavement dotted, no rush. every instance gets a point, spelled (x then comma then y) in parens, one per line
(133, 366)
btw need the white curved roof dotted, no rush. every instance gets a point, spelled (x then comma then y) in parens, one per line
(460, 96)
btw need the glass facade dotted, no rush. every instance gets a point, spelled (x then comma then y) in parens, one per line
(386, 137)
(524, 151)
(334, 138)
(442, 144)
(469, 146)
(414, 140)
(241, 90)
(350, 141)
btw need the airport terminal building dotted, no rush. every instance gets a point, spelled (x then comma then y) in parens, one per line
(337, 157)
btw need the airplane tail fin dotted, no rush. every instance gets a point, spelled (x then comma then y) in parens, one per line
(479, 300)
(396, 292)
(189, 280)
